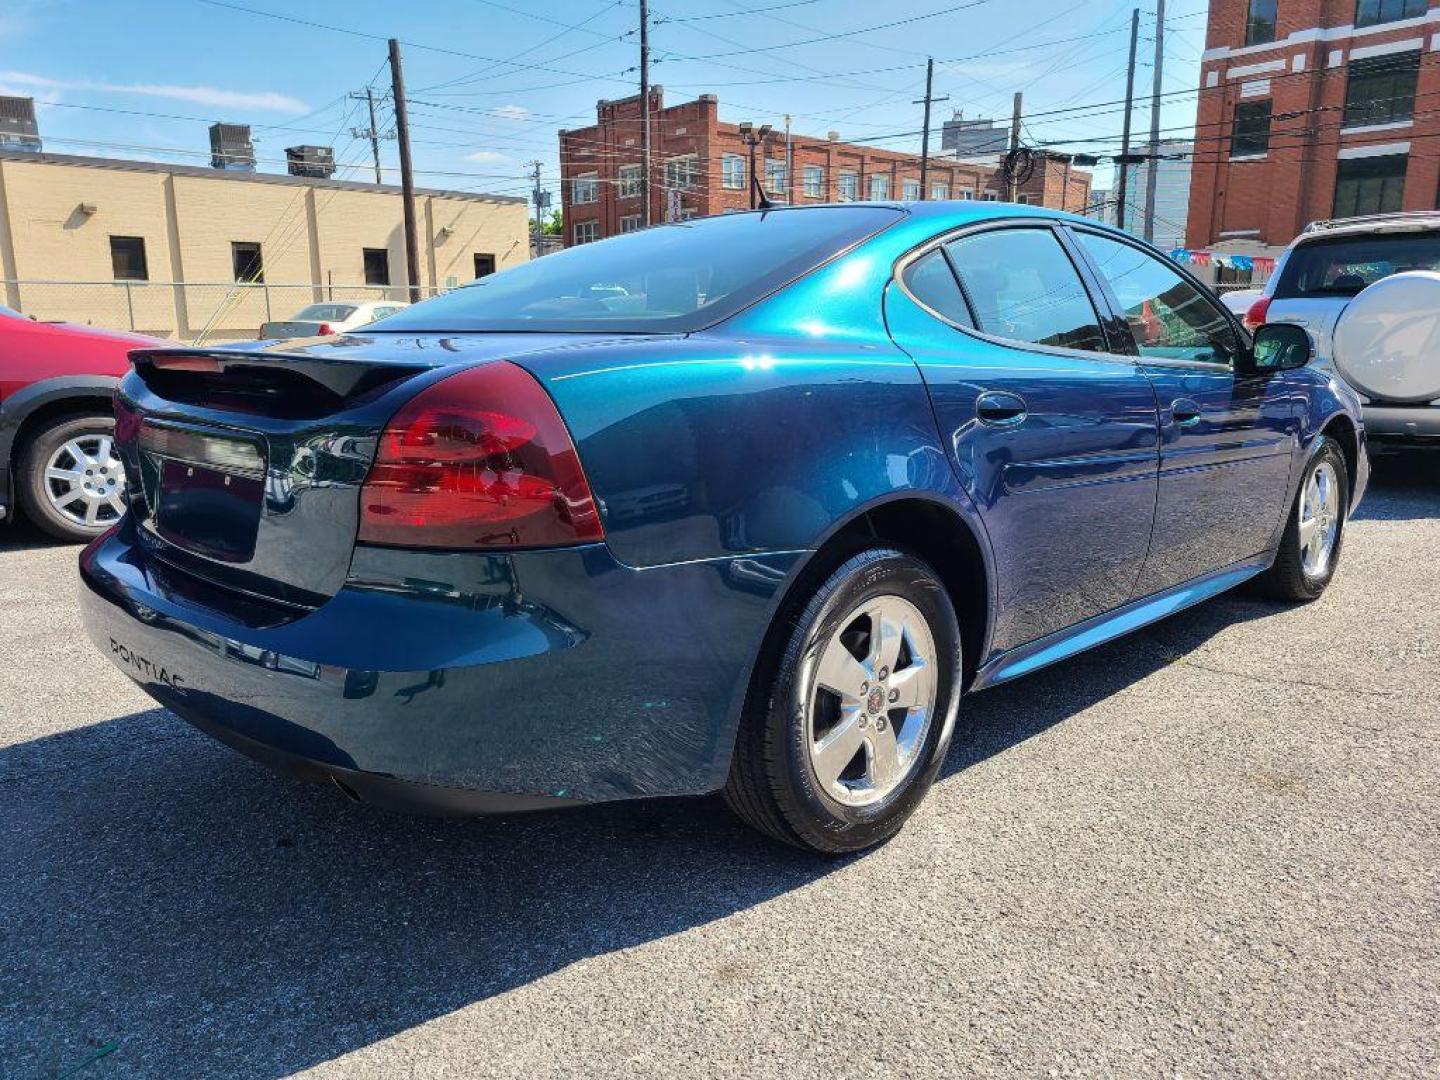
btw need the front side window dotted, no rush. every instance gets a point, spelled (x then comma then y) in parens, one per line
(585, 188)
(1169, 318)
(1022, 286)
(1371, 12)
(587, 232)
(879, 187)
(630, 181)
(814, 179)
(1250, 134)
(849, 186)
(732, 171)
(246, 262)
(377, 266)
(930, 281)
(1373, 185)
(667, 279)
(1260, 22)
(127, 258)
(1381, 89)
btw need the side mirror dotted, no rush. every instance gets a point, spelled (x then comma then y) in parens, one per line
(1281, 347)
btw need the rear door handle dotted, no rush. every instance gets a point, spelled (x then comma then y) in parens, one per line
(1000, 408)
(1184, 412)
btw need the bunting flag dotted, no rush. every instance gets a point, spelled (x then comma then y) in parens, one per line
(1263, 263)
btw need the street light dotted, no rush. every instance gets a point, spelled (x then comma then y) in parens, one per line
(754, 138)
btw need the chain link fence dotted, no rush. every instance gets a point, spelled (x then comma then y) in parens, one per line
(182, 311)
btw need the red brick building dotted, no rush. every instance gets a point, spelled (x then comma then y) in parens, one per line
(1313, 109)
(701, 166)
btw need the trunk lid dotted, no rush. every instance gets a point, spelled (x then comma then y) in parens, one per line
(246, 464)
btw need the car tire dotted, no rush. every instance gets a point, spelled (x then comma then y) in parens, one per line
(873, 662)
(1310, 547)
(78, 507)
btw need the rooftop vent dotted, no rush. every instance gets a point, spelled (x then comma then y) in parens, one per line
(18, 130)
(317, 162)
(230, 148)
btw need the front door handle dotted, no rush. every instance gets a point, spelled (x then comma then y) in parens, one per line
(1184, 412)
(1000, 408)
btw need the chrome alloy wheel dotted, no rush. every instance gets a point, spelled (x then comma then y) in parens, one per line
(85, 481)
(872, 701)
(1320, 515)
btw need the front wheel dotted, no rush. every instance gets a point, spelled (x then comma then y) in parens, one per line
(849, 732)
(1310, 547)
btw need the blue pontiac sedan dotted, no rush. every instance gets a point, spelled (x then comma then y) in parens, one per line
(744, 504)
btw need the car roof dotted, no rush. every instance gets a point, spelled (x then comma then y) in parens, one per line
(1370, 224)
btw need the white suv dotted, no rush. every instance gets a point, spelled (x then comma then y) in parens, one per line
(1322, 272)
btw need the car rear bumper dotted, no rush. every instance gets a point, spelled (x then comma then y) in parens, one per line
(458, 683)
(1402, 423)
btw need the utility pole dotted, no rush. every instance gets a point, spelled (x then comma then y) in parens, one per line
(1153, 166)
(407, 178)
(539, 198)
(645, 111)
(928, 99)
(371, 133)
(1015, 143)
(1120, 184)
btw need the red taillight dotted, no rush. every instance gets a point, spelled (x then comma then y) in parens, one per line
(478, 460)
(1255, 317)
(325, 328)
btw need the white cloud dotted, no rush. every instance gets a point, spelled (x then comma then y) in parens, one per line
(489, 157)
(213, 96)
(511, 112)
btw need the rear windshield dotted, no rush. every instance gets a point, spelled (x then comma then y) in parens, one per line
(1343, 267)
(669, 279)
(327, 312)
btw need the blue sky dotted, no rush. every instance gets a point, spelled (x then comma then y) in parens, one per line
(492, 80)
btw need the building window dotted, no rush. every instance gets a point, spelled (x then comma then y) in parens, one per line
(1025, 200)
(879, 187)
(1250, 134)
(681, 173)
(1260, 22)
(630, 223)
(688, 213)
(814, 180)
(910, 190)
(776, 180)
(989, 196)
(245, 261)
(1373, 185)
(849, 186)
(587, 232)
(1381, 89)
(484, 264)
(1370, 12)
(965, 193)
(377, 266)
(732, 171)
(585, 188)
(127, 258)
(939, 190)
(630, 181)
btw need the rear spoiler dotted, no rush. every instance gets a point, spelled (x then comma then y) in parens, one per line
(342, 375)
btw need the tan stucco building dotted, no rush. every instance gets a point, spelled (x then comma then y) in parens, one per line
(160, 248)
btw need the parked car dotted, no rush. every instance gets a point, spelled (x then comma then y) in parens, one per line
(854, 487)
(331, 317)
(1240, 301)
(1318, 279)
(57, 459)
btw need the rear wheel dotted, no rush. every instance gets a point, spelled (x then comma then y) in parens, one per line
(1310, 547)
(845, 740)
(71, 479)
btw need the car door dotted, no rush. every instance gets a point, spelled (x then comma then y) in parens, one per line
(1053, 435)
(1227, 440)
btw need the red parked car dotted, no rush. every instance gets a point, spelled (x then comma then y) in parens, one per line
(57, 463)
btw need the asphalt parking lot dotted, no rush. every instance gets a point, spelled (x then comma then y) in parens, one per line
(1212, 848)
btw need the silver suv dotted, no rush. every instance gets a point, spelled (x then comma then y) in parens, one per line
(1326, 267)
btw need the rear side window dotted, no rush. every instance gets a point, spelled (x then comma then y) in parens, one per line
(327, 312)
(1342, 267)
(1024, 287)
(1169, 317)
(930, 281)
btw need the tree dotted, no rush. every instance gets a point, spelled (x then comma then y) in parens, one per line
(554, 226)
